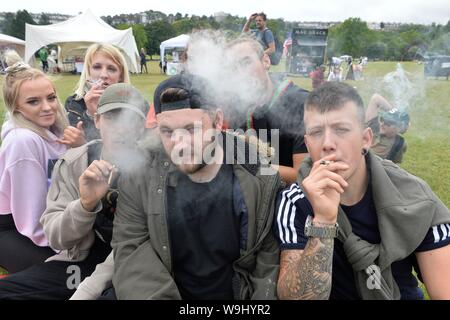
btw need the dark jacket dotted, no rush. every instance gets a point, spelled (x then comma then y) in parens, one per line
(76, 112)
(142, 252)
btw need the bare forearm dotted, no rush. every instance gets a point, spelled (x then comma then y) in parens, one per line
(307, 274)
(376, 103)
(270, 49)
(247, 26)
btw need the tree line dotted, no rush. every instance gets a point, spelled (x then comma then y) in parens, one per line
(351, 37)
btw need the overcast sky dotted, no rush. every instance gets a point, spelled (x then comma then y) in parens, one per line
(411, 11)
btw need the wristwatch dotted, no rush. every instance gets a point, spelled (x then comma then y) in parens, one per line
(320, 232)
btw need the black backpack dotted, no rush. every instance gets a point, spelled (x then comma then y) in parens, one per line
(276, 56)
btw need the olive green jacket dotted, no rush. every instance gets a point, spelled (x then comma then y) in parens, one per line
(142, 252)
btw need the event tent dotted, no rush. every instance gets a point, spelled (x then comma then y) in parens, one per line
(177, 42)
(12, 43)
(81, 31)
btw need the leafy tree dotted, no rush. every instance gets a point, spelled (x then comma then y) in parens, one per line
(140, 35)
(232, 23)
(188, 25)
(178, 16)
(182, 26)
(376, 50)
(277, 26)
(352, 36)
(17, 27)
(6, 24)
(158, 32)
(138, 32)
(44, 19)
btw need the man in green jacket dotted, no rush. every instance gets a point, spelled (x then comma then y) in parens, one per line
(43, 56)
(355, 226)
(195, 222)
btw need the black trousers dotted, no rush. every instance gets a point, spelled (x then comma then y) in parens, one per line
(18, 252)
(144, 65)
(53, 280)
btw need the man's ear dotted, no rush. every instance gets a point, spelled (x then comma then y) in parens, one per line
(367, 138)
(266, 61)
(97, 121)
(218, 119)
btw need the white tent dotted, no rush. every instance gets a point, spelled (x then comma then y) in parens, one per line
(177, 42)
(8, 42)
(81, 31)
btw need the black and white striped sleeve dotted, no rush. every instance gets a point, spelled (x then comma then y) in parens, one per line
(438, 236)
(292, 209)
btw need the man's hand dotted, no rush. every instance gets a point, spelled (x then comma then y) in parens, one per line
(246, 27)
(324, 187)
(252, 17)
(94, 183)
(73, 137)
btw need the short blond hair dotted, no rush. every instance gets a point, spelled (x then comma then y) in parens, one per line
(15, 76)
(111, 52)
(251, 41)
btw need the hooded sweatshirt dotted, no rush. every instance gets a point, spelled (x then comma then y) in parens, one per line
(24, 177)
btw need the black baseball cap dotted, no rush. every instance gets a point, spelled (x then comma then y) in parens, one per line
(199, 93)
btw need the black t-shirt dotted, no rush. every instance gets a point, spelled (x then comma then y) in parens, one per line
(292, 211)
(286, 115)
(204, 235)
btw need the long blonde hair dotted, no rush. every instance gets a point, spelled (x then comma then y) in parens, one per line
(111, 52)
(16, 75)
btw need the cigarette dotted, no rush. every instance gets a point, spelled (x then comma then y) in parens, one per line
(111, 174)
(97, 82)
(325, 162)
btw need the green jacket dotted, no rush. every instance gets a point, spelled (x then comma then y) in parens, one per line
(43, 54)
(142, 252)
(406, 208)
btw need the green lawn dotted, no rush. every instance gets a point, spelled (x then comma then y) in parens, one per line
(428, 136)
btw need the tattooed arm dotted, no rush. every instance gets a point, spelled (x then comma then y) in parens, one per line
(306, 274)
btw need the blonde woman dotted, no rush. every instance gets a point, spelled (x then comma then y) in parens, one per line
(29, 148)
(104, 65)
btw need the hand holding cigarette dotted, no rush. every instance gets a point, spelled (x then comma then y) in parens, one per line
(95, 182)
(324, 187)
(92, 96)
(113, 175)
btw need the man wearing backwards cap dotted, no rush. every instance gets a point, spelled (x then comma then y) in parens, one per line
(195, 223)
(387, 123)
(82, 198)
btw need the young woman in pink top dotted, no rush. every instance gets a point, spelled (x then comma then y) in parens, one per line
(28, 150)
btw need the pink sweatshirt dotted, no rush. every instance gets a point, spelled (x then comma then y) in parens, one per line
(24, 158)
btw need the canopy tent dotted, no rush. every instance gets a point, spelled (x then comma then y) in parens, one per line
(177, 42)
(8, 42)
(80, 32)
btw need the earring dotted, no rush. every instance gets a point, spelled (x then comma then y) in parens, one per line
(364, 151)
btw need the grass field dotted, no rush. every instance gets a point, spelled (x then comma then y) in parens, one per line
(428, 136)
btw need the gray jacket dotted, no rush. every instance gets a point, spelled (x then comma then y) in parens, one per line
(142, 253)
(67, 225)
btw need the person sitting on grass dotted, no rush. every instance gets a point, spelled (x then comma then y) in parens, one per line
(29, 148)
(387, 124)
(82, 200)
(355, 226)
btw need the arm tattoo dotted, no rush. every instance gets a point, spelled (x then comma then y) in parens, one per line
(307, 274)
